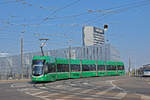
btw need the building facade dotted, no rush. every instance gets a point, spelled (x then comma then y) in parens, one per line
(93, 36)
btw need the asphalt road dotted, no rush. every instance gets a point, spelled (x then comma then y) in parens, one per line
(94, 88)
(9, 93)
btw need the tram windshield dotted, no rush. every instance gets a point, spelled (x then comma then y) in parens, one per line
(37, 70)
(37, 67)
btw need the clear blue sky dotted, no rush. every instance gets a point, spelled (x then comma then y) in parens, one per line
(62, 20)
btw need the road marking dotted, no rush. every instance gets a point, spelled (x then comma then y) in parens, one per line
(73, 89)
(87, 98)
(59, 86)
(28, 93)
(12, 85)
(49, 95)
(42, 87)
(72, 84)
(109, 89)
(38, 93)
(63, 89)
(105, 91)
(45, 98)
(120, 95)
(68, 97)
(85, 83)
(144, 97)
(19, 85)
(28, 89)
(86, 91)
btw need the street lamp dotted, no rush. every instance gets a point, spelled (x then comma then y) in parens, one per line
(105, 29)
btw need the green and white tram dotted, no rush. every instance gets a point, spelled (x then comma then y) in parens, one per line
(45, 68)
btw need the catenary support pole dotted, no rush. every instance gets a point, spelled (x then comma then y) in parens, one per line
(22, 67)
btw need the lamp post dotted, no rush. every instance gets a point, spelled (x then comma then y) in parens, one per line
(105, 29)
(70, 56)
(21, 55)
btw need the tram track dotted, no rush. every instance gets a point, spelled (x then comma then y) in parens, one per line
(80, 88)
(87, 89)
(77, 92)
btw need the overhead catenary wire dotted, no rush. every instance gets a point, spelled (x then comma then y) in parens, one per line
(25, 25)
(104, 12)
(110, 11)
(118, 10)
(113, 10)
(62, 35)
(10, 2)
(125, 5)
(129, 6)
(59, 9)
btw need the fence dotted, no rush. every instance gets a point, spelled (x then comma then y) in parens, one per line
(10, 67)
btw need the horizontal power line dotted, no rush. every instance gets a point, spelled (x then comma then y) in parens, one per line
(10, 2)
(59, 9)
(117, 11)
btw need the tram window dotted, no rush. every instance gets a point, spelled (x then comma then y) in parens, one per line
(92, 67)
(113, 67)
(75, 67)
(38, 61)
(120, 67)
(51, 68)
(89, 67)
(62, 68)
(101, 67)
(109, 67)
(58, 67)
(85, 67)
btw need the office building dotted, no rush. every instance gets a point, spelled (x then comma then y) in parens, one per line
(93, 36)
